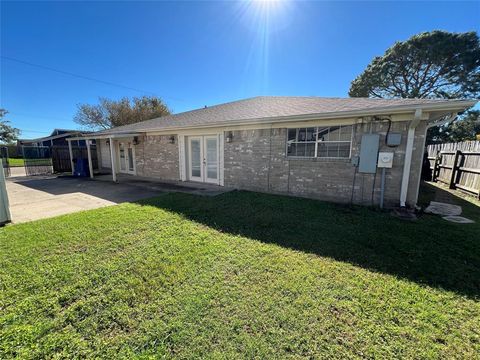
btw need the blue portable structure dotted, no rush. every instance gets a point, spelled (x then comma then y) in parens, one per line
(81, 168)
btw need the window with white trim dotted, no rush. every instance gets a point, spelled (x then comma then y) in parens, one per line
(321, 142)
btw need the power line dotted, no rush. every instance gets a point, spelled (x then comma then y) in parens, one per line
(78, 75)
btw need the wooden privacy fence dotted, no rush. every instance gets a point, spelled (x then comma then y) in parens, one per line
(457, 165)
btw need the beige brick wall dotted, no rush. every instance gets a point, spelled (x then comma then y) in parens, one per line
(256, 160)
(157, 158)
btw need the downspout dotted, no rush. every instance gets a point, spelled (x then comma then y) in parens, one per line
(408, 156)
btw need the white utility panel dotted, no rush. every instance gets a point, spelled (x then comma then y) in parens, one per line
(385, 160)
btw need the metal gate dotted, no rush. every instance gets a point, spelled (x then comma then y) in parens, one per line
(5, 162)
(37, 160)
(61, 157)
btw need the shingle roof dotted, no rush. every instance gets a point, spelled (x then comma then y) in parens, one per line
(264, 107)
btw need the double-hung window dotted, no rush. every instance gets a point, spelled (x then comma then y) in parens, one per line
(321, 142)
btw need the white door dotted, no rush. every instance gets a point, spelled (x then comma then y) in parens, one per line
(203, 158)
(126, 157)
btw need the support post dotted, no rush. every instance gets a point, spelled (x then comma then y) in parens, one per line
(408, 157)
(453, 176)
(71, 156)
(435, 166)
(89, 155)
(112, 160)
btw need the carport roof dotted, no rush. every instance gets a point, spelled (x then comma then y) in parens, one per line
(284, 108)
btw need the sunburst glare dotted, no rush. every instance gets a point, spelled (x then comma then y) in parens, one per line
(263, 21)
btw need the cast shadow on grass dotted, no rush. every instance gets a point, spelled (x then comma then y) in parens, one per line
(430, 251)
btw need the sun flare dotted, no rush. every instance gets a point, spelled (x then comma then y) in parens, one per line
(264, 23)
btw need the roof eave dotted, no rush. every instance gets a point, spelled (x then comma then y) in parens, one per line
(105, 136)
(456, 106)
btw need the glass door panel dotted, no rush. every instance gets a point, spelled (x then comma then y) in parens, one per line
(131, 167)
(211, 159)
(196, 160)
(121, 148)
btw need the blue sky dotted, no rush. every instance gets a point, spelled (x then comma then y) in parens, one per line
(197, 53)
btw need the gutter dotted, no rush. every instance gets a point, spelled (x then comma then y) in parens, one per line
(105, 136)
(447, 119)
(408, 156)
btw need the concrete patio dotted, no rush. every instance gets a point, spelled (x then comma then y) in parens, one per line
(38, 197)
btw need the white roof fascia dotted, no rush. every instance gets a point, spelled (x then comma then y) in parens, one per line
(104, 136)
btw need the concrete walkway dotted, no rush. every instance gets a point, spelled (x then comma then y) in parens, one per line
(37, 197)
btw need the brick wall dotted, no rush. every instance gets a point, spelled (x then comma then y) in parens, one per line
(256, 160)
(157, 158)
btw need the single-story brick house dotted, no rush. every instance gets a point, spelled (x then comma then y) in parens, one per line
(302, 146)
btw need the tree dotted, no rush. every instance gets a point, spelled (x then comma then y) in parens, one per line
(111, 113)
(8, 134)
(435, 64)
(467, 128)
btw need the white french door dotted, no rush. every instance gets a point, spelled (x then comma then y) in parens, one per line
(203, 155)
(126, 158)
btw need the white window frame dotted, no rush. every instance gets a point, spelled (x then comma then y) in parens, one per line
(316, 141)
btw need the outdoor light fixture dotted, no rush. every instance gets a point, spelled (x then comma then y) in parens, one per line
(229, 136)
(171, 139)
(135, 140)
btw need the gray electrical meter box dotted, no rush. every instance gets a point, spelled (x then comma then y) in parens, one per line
(385, 160)
(394, 139)
(369, 153)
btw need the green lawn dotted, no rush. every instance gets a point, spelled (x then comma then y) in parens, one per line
(240, 275)
(15, 162)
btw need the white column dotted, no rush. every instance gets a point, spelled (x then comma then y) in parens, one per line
(112, 160)
(89, 155)
(408, 157)
(181, 157)
(71, 156)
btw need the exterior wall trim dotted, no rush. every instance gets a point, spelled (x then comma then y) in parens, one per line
(181, 158)
(205, 130)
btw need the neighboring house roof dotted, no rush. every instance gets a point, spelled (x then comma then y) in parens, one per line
(270, 108)
(56, 134)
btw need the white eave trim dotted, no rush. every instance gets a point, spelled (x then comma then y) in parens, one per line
(104, 136)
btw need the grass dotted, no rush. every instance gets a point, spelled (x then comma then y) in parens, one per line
(15, 162)
(241, 275)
